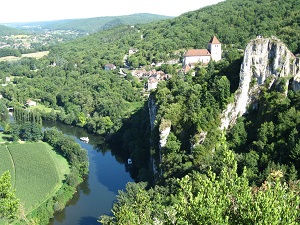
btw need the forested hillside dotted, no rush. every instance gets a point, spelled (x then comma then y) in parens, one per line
(200, 177)
(233, 21)
(5, 30)
(92, 25)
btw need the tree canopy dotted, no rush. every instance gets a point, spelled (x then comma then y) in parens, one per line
(9, 204)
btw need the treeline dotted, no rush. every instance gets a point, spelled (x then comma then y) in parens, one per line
(9, 52)
(72, 151)
(5, 31)
(92, 25)
(27, 125)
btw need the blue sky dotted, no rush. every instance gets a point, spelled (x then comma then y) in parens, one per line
(41, 10)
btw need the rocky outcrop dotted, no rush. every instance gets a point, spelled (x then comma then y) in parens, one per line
(264, 59)
(198, 139)
(152, 111)
(164, 130)
(296, 82)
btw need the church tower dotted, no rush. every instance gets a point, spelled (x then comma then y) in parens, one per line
(214, 46)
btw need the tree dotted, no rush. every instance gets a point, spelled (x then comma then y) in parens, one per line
(9, 204)
(15, 131)
(210, 199)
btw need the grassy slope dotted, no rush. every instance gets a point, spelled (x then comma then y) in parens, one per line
(7, 163)
(39, 171)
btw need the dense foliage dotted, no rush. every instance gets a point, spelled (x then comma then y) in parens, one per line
(72, 151)
(73, 83)
(266, 142)
(89, 106)
(209, 199)
(268, 138)
(8, 201)
(233, 21)
(9, 52)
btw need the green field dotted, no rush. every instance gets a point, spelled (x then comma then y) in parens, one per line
(36, 55)
(6, 163)
(38, 171)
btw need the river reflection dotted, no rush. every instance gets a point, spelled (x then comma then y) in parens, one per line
(95, 196)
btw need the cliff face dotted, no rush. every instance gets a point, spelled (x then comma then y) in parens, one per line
(164, 131)
(165, 125)
(152, 111)
(264, 58)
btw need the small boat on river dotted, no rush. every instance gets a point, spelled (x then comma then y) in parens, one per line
(129, 161)
(85, 139)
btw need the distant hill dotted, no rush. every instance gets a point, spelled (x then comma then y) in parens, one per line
(5, 30)
(234, 22)
(92, 25)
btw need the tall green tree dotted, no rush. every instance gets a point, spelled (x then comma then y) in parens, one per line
(9, 204)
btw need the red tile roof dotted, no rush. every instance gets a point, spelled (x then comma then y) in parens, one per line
(214, 40)
(197, 52)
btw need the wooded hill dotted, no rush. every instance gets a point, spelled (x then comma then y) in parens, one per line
(233, 22)
(92, 25)
(5, 30)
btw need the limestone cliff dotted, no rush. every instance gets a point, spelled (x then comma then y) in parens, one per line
(164, 130)
(152, 111)
(264, 59)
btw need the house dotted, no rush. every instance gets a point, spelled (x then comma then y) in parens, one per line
(30, 103)
(213, 52)
(132, 51)
(186, 68)
(194, 56)
(139, 73)
(152, 83)
(110, 66)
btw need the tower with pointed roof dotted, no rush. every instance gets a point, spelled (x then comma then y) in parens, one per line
(214, 46)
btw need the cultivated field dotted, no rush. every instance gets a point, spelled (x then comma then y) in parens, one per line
(38, 171)
(36, 55)
(6, 163)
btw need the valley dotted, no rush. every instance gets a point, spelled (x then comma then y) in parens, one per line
(205, 105)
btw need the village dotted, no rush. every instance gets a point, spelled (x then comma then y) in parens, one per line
(152, 76)
(37, 40)
(192, 58)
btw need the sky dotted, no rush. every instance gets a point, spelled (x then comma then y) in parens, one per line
(42, 10)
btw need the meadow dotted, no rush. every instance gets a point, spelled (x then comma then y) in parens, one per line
(6, 163)
(36, 55)
(37, 171)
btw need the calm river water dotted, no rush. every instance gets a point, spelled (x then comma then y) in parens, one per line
(95, 196)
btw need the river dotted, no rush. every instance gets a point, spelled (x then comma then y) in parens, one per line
(95, 196)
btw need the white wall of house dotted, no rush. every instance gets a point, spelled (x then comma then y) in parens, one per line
(152, 85)
(196, 59)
